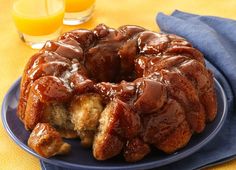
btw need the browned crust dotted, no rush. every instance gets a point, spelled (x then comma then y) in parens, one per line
(135, 150)
(176, 140)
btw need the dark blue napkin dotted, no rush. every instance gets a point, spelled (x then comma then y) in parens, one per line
(216, 38)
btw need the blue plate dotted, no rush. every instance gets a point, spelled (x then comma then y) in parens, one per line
(82, 158)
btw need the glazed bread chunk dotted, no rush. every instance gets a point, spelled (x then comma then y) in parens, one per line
(46, 141)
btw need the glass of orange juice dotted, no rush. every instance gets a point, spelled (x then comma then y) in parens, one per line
(38, 20)
(78, 11)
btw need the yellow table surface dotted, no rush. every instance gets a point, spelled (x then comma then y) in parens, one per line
(14, 53)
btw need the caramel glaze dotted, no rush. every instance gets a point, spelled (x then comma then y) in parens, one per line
(161, 77)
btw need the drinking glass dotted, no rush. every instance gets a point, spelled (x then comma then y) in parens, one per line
(78, 11)
(38, 20)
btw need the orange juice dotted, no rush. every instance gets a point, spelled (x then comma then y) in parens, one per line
(38, 17)
(78, 11)
(78, 5)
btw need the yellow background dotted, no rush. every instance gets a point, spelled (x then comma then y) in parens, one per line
(14, 53)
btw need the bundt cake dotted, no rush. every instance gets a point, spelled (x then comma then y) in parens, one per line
(118, 90)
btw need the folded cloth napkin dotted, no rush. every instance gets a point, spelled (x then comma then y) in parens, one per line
(216, 38)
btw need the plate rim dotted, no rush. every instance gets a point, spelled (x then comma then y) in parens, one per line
(152, 164)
